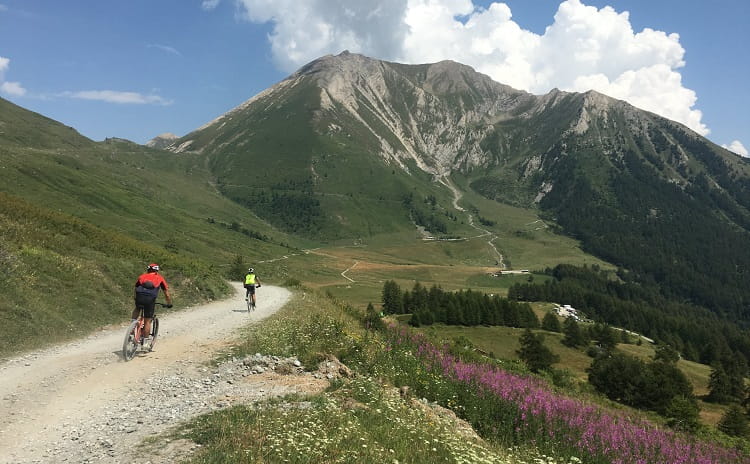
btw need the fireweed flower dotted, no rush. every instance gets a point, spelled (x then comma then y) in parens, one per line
(542, 417)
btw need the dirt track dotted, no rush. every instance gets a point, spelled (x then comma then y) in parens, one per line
(80, 402)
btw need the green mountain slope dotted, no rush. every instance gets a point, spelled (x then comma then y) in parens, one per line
(347, 146)
(63, 277)
(23, 128)
(79, 220)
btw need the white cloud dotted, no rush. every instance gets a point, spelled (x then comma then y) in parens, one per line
(737, 147)
(165, 48)
(305, 30)
(583, 48)
(13, 89)
(112, 96)
(209, 4)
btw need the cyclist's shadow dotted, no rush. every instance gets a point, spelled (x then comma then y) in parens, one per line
(138, 354)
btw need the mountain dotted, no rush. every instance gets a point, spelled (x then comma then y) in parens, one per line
(349, 146)
(20, 127)
(162, 140)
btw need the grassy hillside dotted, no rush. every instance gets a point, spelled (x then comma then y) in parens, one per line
(518, 417)
(23, 128)
(63, 277)
(80, 220)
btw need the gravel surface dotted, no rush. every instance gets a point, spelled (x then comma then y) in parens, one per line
(80, 402)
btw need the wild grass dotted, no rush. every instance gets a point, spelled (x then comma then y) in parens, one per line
(361, 420)
(519, 417)
(63, 277)
(358, 422)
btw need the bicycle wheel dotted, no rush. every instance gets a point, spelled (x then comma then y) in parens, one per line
(249, 304)
(129, 346)
(154, 332)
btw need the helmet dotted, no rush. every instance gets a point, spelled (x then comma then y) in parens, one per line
(152, 267)
(251, 270)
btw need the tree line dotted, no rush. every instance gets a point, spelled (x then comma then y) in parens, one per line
(465, 307)
(620, 300)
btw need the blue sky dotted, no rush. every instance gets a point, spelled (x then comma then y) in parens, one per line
(137, 68)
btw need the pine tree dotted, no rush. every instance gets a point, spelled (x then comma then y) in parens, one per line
(573, 335)
(416, 320)
(683, 413)
(719, 388)
(607, 338)
(392, 300)
(551, 323)
(666, 354)
(533, 352)
(734, 422)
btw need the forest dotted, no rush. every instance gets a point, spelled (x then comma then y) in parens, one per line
(616, 298)
(466, 307)
(679, 238)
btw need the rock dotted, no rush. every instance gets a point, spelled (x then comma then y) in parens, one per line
(333, 368)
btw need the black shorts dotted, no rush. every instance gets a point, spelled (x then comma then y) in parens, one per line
(146, 302)
(250, 289)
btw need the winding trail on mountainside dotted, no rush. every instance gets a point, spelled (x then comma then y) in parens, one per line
(80, 402)
(457, 195)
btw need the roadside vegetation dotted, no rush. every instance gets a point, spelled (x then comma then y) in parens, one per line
(63, 277)
(407, 390)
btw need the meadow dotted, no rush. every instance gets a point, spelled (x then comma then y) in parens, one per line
(515, 417)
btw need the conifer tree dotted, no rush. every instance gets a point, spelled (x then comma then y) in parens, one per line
(719, 389)
(734, 422)
(392, 300)
(551, 323)
(533, 352)
(573, 335)
(666, 354)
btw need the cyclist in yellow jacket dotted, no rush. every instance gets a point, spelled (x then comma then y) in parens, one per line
(251, 281)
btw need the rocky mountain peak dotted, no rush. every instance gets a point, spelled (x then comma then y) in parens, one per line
(162, 140)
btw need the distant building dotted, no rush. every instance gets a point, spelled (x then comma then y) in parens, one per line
(566, 311)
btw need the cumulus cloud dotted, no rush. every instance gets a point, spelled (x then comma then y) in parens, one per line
(113, 96)
(305, 30)
(583, 48)
(737, 147)
(13, 89)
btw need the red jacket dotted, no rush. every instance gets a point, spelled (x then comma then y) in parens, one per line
(153, 277)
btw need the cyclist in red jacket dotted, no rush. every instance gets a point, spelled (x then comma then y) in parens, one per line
(146, 290)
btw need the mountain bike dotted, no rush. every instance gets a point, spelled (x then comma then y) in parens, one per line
(135, 338)
(249, 300)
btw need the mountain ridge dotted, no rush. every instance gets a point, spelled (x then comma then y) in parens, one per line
(570, 156)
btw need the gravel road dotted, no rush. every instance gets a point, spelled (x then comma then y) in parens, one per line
(80, 402)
